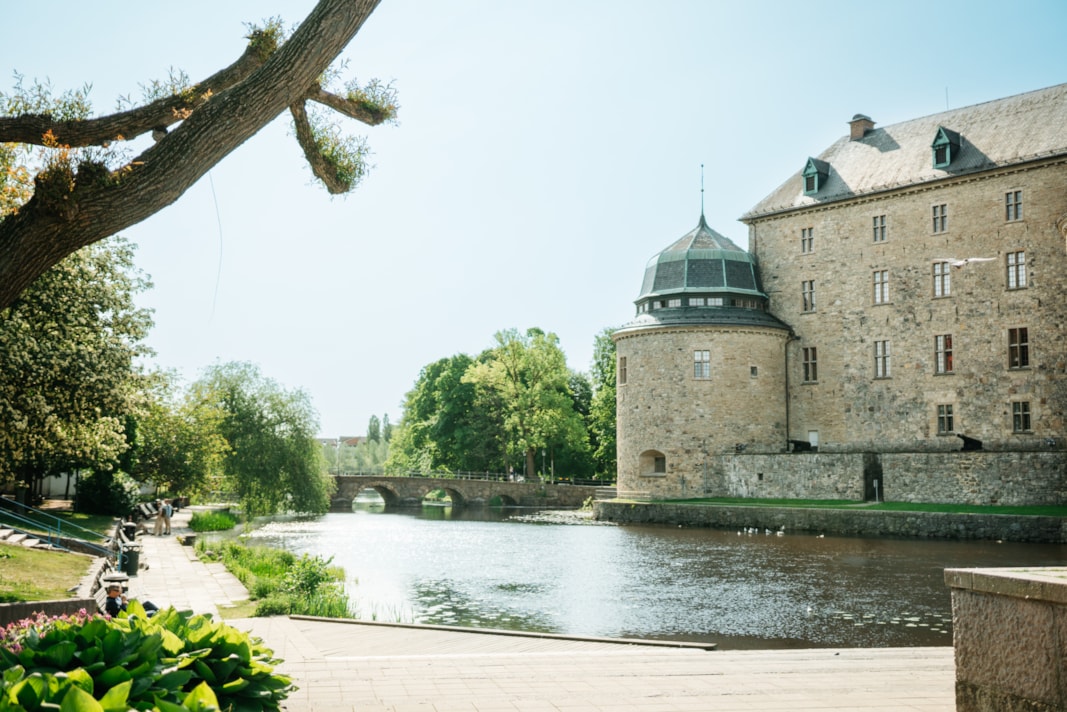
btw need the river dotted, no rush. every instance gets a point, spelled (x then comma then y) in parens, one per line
(563, 573)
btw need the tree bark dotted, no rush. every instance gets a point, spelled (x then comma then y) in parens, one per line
(65, 215)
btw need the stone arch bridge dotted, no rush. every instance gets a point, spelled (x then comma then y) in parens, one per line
(410, 491)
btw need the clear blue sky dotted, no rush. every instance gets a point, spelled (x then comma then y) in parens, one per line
(545, 151)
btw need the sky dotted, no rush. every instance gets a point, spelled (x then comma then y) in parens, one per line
(544, 152)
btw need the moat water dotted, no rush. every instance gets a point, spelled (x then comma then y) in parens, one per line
(563, 573)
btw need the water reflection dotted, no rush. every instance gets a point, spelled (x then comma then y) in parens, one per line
(505, 568)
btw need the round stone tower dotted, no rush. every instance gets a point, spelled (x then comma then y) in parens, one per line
(701, 371)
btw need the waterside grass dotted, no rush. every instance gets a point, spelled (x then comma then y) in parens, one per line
(280, 582)
(212, 521)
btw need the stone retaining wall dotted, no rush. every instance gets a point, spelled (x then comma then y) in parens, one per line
(1019, 478)
(843, 522)
(11, 612)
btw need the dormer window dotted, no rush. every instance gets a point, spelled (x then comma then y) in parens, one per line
(946, 147)
(815, 174)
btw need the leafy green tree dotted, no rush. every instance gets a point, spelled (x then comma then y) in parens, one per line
(387, 428)
(69, 346)
(179, 447)
(374, 429)
(602, 408)
(446, 424)
(87, 187)
(273, 462)
(528, 375)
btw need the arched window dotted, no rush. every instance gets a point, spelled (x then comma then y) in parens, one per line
(652, 462)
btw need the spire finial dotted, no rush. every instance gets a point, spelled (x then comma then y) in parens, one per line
(701, 190)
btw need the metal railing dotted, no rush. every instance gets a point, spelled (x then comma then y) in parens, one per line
(484, 477)
(48, 527)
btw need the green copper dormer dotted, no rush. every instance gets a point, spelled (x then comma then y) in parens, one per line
(815, 175)
(946, 147)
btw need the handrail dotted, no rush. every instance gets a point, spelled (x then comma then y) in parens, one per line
(58, 520)
(54, 536)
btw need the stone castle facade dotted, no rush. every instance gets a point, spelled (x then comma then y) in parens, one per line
(896, 331)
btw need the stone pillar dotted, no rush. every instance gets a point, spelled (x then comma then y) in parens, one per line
(1010, 637)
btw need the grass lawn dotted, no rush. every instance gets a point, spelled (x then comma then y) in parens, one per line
(1042, 511)
(29, 575)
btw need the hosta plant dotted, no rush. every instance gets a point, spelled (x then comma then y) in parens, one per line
(171, 662)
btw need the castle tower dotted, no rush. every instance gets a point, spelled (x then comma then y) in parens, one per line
(701, 370)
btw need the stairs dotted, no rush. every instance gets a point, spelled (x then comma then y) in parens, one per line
(606, 493)
(14, 538)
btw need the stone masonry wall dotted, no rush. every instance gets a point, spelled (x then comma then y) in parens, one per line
(663, 410)
(847, 406)
(1003, 478)
(841, 522)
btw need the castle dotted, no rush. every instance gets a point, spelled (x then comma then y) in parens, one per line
(896, 330)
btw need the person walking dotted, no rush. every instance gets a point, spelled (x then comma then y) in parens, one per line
(158, 528)
(167, 511)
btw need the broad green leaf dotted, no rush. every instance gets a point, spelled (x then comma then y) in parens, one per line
(202, 697)
(115, 699)
(78, 700)
(113, 676)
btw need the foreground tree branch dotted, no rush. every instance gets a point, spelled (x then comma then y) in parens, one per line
(72, 207)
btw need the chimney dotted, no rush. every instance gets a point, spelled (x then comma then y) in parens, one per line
(859, 126)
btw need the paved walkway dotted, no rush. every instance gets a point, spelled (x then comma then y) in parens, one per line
(385, 668)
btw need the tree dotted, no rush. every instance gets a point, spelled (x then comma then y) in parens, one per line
(602, 408)
(444, 426)
(81, 196)
(178, 447)
(528, 375)
(387, 428)
(273, 462)
(374, 429)
(68, 348)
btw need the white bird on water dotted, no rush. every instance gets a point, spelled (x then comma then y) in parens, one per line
(961, 263)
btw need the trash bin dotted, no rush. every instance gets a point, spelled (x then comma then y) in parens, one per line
(131, 559)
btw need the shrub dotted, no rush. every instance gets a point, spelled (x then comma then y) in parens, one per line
(171, 662)
(113, 493)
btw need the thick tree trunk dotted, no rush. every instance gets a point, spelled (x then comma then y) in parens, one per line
(60, 219)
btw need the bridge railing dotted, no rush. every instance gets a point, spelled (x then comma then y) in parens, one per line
(485, 477)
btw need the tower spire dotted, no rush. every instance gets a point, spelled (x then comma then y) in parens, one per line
(701, 191)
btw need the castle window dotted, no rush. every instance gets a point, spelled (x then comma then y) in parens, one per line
(815, 174)
(674, 302)
(1013, 205)
(1020, 416)
(702, 365)
(622, 371)
(697, 301)
(940, 214)
(807, 293)
(943, 353)
(658, 304)
(878, 228)
(881, 286)
(811, 366)
(946, 147)
(807, 239)
(945, 423)
(1018, 348)
(942, 279)
(753, 371)
(714, 301)
(652, 463)
(881, 359)
(1017, 270)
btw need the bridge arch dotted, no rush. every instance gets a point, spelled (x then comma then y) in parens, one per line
(458, 501)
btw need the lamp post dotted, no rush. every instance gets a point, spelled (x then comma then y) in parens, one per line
(542, 464)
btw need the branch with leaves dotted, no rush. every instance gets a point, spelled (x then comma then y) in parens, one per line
(84, 189)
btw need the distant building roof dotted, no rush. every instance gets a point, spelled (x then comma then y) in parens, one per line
(999, 133)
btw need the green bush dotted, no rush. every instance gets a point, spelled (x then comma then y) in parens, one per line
(113, 493)
(171, 662)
